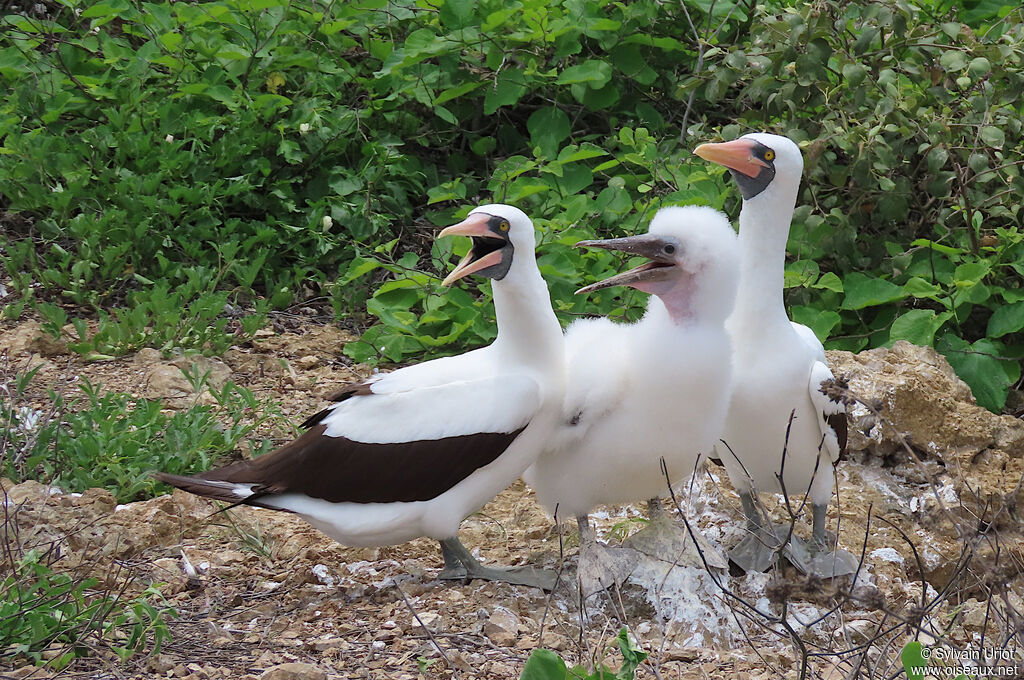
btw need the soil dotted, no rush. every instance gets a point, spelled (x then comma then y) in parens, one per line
(928, 496)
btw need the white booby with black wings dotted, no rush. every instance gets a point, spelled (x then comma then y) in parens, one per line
(779, 367)
(641, 393)
(413, 452)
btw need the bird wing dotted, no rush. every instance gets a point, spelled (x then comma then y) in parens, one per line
(832, 414)
(596, 383)
(404, 445)
(808, 336)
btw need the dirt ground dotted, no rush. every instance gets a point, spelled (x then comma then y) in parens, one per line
(928, 497)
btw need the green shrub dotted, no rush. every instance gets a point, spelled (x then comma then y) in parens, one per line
(281, 151)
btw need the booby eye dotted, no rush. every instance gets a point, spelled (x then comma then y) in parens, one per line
(669, 249)
(769, 155)
(503, 226)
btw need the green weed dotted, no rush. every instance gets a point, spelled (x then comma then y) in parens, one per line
(115, 441)
(51, 617)
(544, 664)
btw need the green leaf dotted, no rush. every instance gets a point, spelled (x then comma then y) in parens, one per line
(543, 664)
(978, 366)
(170, 41)
(509, 87)
(457, 91)
(866, 291)
(548, 127)
(938, 247)
(918, 326)
(821, 321)
(800, 273)
(457, 14)
(101, 9)
(593, 72)
(970, 274)
(919, 288)
(914, 660)
(1006, 319)
(829, 281)
(993, 136)
(854, 74)
(632, 656)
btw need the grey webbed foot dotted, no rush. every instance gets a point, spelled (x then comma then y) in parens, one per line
(824, 557)
(600, 566)
(459, 564)
(759, 550)
(667, 540)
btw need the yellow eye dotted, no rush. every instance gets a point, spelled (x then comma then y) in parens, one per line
(503, 226)
(769, 155)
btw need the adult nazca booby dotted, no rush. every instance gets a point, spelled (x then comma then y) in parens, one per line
(779, 368)
(640, 393)
(411, 453)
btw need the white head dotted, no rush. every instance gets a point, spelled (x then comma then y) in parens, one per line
(766, 167)
(503, 243)
(694, 263)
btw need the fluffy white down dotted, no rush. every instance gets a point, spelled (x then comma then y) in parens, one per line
(637, 393)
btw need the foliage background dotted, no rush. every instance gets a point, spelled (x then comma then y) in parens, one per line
(170, 173)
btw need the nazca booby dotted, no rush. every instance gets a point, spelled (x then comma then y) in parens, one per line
(413, 452)
(779, 368)
(639, 393)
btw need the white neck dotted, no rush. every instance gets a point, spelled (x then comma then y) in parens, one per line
(764, 230)
(528, 331)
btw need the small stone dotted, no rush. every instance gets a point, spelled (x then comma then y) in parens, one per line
(431, 620)
(974, 615)
(294, 671)
(686, 654)
(329, 643)
(100, 500)
(147, 356)
(307, 362)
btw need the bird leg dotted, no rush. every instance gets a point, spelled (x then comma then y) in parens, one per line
(669, 541)
(453, 569)
(826, 559)
(600, 567)
(457, 555)
(759, 550)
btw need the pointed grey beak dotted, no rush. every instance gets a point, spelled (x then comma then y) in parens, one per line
(661, 251)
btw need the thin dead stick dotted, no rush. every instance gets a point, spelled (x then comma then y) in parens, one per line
(430, 634)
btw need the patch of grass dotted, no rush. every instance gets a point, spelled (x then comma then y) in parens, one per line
(114, 440)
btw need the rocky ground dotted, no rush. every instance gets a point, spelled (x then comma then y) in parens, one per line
(928, 495)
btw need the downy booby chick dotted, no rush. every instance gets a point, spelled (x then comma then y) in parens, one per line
(639, 393)
(411, 453)
(779, 367)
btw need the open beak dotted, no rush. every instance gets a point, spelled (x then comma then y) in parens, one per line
(650, 246)
(486, 250)
(736, 155)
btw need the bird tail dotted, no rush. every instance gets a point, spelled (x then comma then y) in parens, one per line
(229, 492)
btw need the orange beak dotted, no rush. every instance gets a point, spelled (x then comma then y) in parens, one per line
(736, 155)
(474, 225)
